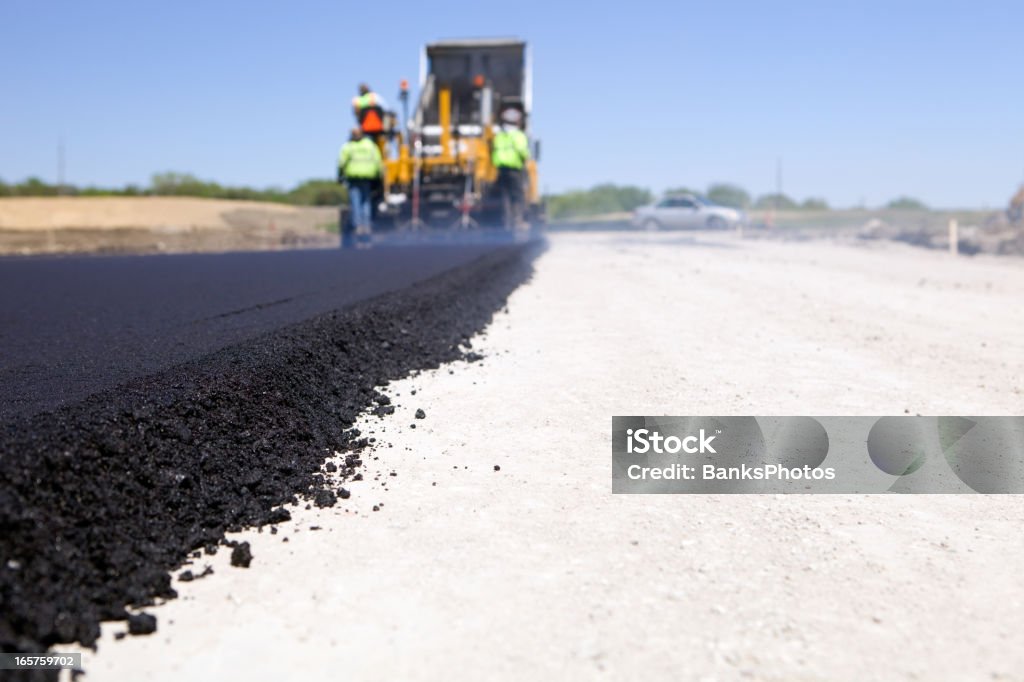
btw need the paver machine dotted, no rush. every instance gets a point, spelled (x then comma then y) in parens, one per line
(438, 170)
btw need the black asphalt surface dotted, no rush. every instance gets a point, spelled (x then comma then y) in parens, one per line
(155, 404)
(73, 326)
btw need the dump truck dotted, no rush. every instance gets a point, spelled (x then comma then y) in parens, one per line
(437, 162)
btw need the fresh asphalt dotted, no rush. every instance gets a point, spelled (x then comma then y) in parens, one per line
(107, 487)
(73, 326)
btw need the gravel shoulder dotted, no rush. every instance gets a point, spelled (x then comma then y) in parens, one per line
(537, 571)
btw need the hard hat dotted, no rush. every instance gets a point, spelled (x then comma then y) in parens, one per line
(511, 116)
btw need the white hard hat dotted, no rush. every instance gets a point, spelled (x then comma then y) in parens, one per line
(511, 116)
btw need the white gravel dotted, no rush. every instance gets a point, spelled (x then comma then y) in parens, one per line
(537, 571)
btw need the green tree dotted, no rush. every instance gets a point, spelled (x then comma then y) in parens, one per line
(34, 187)
(779, 201)
(905, 203)
(676, 191)
(606, 198)
(168, 181)
(725, 194)
(180, 184)
(318, 193)
(186, 184)
(814, 204)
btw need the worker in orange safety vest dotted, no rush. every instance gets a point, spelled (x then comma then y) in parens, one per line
(368, 107)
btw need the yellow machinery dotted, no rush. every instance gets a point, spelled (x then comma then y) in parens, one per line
(438, 169)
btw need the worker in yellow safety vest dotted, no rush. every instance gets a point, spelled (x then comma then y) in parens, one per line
(359, 167)
(368, 108)
(510, 151)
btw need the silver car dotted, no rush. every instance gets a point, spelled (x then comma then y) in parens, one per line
(689, 212)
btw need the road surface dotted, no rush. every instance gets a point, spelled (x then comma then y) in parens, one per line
(74, 326)
(536, 570)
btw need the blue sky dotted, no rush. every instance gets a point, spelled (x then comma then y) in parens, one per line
(862, 101)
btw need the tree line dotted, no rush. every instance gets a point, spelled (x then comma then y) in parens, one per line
(316, 192)
(610, 198)
(599, 199)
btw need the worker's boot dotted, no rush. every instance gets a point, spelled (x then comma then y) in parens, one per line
(519, 224)
(364, 234)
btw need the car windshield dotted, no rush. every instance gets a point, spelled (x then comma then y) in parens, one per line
(677, 201)
(704, 201)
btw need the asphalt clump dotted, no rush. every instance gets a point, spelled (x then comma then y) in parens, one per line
(141, 624)
(241, 555)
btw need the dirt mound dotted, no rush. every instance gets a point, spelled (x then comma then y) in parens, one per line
(157, 224)
(995, 235)
(111, 213)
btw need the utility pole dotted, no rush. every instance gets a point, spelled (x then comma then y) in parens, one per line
(773, 208)
(60, 165)
(778, 184)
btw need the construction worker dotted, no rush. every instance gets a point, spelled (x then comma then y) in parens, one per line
(359, 167)
(368, 108)
(509, 152)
